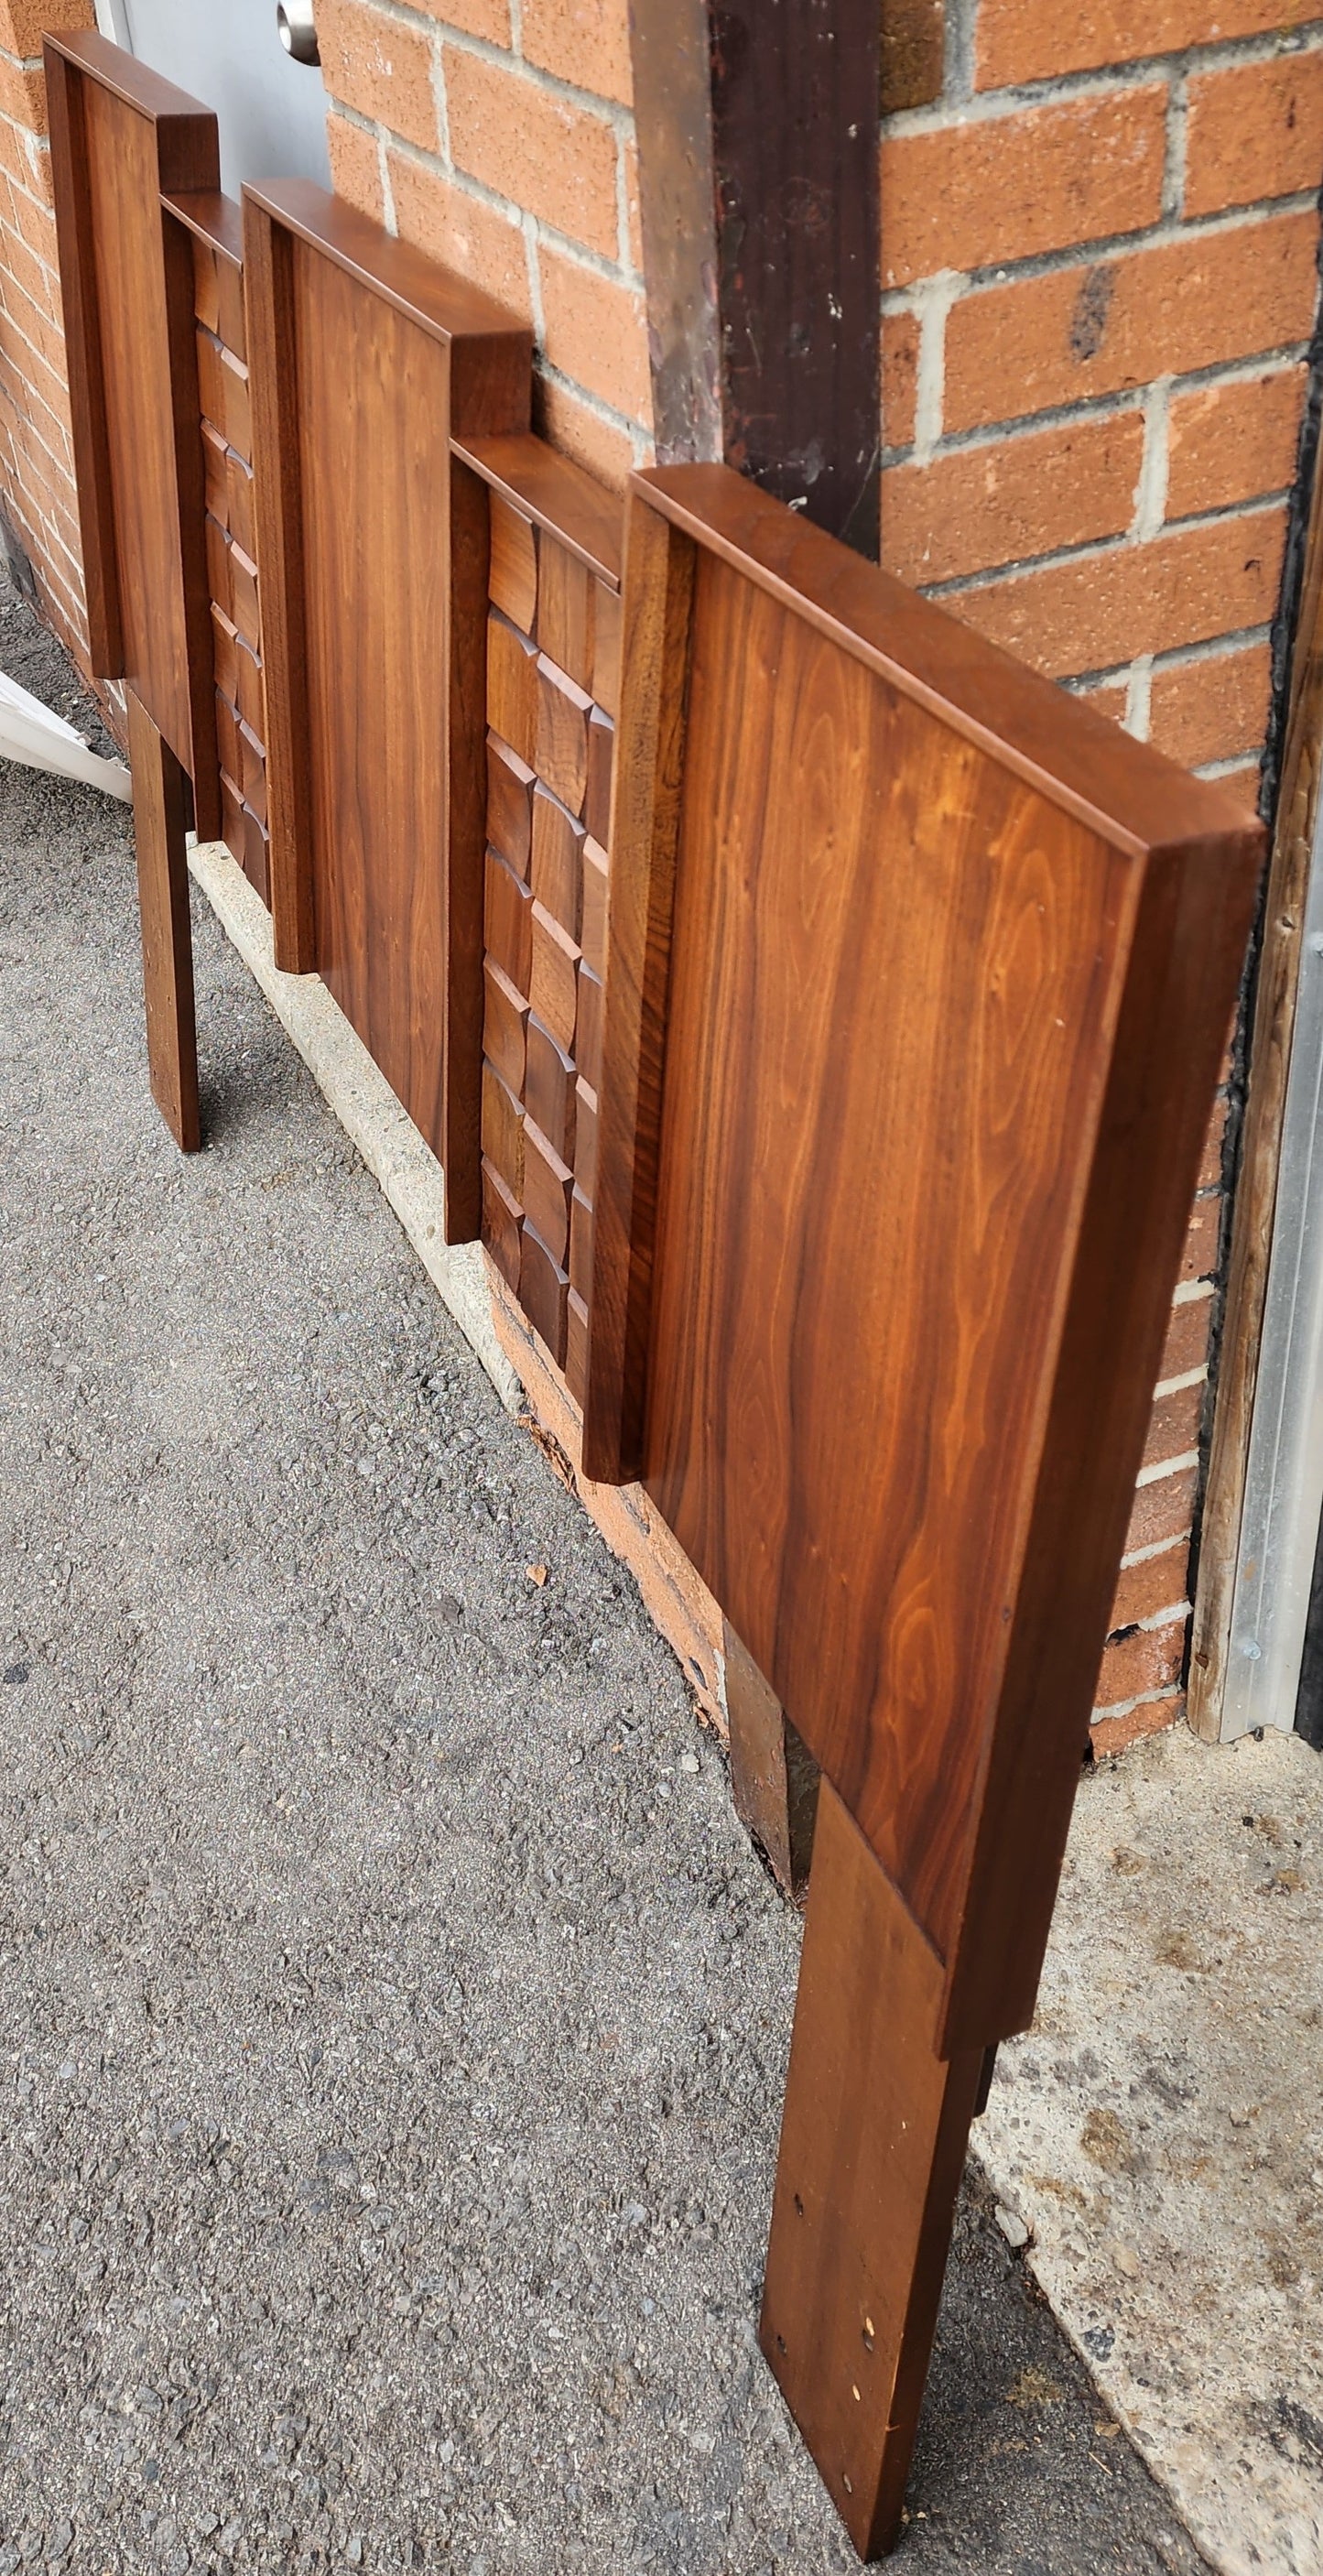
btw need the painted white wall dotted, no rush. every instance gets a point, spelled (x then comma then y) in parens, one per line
(271, 111)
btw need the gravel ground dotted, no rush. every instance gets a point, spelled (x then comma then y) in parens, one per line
(393, 2015)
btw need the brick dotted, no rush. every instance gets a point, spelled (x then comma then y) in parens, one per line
(23, 23)
(596, 331)
(1026, 40)
(1254, 130)
(900, 370)
(604, 446)
(1112, 1735)
(1212, 709)
(1106, 697)
(35, 223)
(1161, 1510)
(36, 280)
(1174, 1425)
(1151, 1660)
(633, 205)
(379, 66)
(1181, 306)
(23, 95)
(34, 321)
(1010, 187)
(1210, 1163)
(489, 19)
(1157, 1583)
(458, 229)
(47, 402)
(585, 42)
(355, 165)
(555, 160)
(1097, 610)
(26, 158)
(1199, 1254)
(1018, 498)
(1231, 442)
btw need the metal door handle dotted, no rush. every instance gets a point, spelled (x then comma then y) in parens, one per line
(297, 26)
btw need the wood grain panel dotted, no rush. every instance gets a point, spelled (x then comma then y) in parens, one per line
(121, 137)
(374, 483)
(791, 1155)
(375, 553)
(881, 1103)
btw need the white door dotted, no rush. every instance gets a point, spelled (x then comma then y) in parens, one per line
(271, 110)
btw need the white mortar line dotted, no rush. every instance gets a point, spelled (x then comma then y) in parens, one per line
(1164, 1467)
(1151, 489)
(932, 302)
(1179, 1385)
(1138, 696)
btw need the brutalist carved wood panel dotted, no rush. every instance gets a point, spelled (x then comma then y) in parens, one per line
(216, 229)
(918, 976)
(553, 672)
(364, 357)
(120, 137)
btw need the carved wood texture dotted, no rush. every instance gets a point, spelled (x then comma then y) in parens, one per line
(231, 535)
(553, 670)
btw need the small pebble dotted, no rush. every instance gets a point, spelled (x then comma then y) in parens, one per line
(1012, 2228)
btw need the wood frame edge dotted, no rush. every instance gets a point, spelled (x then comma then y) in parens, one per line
(277, 494)
(82, 331)
(644, 838)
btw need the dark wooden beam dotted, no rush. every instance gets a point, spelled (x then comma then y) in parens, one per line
(796, 88)
(758, 178)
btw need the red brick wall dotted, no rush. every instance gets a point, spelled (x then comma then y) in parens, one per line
(513, 161)
(1099, 248)
(36, 460)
